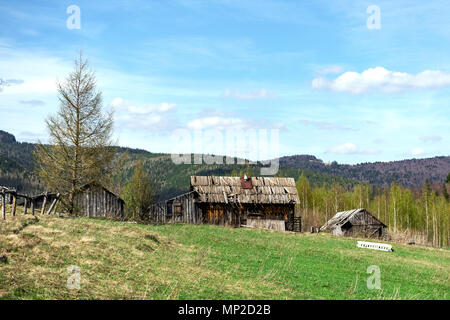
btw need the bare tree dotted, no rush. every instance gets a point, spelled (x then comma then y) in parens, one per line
(80, 149)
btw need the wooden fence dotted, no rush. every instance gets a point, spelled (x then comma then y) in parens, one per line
(28, 202)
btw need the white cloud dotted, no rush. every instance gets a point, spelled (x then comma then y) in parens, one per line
(350, 148)
(150, 116)
(415, 152)
(32, 85)
(32, 102)
(258, 94)
(323, 125)
(216, 123)
(9, 82)
(33, 137)
(117, 103)
(36, 72)
(434, 138)
(163, 107)
(331, 69)
(231, 123)
(346, 148)
(380, 79)
(120, 104)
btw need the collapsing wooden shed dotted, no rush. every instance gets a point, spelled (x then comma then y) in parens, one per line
(356, 222)
(94, 200)
(263, 202)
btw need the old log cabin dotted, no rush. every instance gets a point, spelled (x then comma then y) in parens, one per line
(263, 202)
(354, 223)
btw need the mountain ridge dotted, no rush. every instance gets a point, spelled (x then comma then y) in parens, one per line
(17, 162)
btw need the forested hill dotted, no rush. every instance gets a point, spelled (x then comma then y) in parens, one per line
(16, 169)
(409, 173)
(16, 164)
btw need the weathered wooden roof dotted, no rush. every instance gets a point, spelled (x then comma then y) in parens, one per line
(99, 185)
(342, 217)
(265, 190)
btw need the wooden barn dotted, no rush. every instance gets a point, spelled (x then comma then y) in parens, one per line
(355, 223)
(263, 202)
(94, 200)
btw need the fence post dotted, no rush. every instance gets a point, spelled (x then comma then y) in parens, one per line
(44, 203)
(53, 204)
(25, 206)
(13, 209)
(3, 205)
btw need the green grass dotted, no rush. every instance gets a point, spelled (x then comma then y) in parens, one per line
(120, 260)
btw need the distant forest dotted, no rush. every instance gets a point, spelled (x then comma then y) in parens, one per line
(17, 163)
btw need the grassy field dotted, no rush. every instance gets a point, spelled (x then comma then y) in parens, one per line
(120, 260)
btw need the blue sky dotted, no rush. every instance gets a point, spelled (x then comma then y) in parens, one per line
(311, 69)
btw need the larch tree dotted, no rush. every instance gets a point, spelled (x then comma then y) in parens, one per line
(80, 147)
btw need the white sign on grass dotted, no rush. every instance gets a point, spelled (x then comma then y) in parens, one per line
(374, 246)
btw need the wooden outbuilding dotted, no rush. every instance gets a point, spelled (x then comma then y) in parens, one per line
(355, 223)
(262, 202)
(94, 200)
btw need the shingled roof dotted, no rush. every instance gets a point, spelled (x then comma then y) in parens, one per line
(264, 190)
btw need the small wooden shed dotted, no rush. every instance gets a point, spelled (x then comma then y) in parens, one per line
(355, 223)
(94, 200)
(265, 202)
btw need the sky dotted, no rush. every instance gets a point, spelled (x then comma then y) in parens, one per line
(347, 81)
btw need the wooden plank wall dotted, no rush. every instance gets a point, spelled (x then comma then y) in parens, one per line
(235, 215)
(98, 202)
(158, 212)
(231, 215)
(278, 225)
(220, 214)
(363, 224)
(190, 213)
